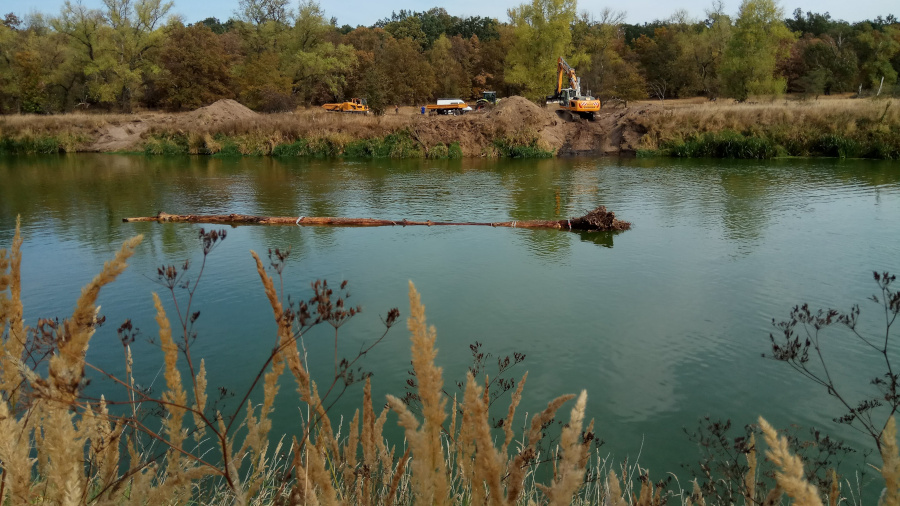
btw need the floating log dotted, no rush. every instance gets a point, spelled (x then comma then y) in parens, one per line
(598, 220)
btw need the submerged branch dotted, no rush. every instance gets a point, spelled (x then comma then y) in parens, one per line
(598, 220)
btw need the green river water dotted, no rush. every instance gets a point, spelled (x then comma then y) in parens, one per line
(662, 324)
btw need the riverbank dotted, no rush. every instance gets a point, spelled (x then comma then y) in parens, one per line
(833, 127)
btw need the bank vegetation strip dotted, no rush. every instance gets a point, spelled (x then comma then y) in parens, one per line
(515, 128)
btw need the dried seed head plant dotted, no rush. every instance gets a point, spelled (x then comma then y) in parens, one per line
(800, 346)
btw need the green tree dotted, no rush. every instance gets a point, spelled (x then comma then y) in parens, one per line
(319, 68)
(408, 28)
(82, 28)
(704, 51)
(260, 12)
(875, 49)
(611, 70)
(659, 57)
(194, 68)
(759, 40)
(541, 35)
(262, 85)
(121, 56)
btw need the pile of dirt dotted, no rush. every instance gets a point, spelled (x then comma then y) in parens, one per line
(220, 112)
(517, 113)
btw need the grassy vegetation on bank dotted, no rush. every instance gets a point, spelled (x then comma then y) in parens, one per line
(394, 145)
(828, 128)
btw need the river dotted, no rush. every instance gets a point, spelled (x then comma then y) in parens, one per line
(662, 324)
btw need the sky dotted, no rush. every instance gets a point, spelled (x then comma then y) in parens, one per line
(367, 12)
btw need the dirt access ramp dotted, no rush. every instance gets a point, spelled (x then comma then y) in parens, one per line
(128, 136)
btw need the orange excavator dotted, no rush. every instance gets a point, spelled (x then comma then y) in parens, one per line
(570, 99)
(354, 105)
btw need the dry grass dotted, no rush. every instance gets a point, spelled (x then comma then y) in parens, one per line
(843, 116)
(59, 447)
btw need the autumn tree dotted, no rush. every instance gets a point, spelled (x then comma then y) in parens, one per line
(194, 68)
(542, 35)
(488, 72)
(759, 40)
(411, 79)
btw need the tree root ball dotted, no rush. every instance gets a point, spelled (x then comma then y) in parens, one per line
(600, 220)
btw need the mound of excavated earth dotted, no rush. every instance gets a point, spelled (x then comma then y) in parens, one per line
(220, 112)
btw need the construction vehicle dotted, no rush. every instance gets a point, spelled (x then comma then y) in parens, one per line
(354, 105)
(449, 106)
(570, 99)
(488, 98)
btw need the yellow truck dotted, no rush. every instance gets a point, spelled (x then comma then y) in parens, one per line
(354, 105)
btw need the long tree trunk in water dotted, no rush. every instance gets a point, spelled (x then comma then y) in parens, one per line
(598, 220)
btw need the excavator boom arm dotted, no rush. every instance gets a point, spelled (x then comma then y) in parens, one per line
(563, 69)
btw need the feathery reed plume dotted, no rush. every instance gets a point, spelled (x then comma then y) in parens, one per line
(645, 497)
(890, 468)
(570, 472)
(67, 366)
(774, 496)
(16, 458)
(368, 442)
(11, 312)
(488, 464)
(199, 400)
(395, 481)
(697, 495)
(790, 476)
(750, 477)
(519, 464)
(349, 456)
(286, 342)
(429, 475)
(834, 493)
(613, 496)
(511, 413)
(175, 397)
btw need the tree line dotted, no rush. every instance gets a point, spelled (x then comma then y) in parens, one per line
(272, 56)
